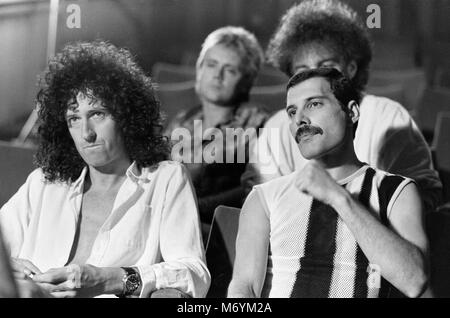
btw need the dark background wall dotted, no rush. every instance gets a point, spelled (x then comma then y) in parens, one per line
(172, 31)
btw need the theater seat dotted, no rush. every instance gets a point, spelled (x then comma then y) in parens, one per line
(393, 54)
(442, 77)
(269, 76)
(16, 163)
(220, 249)
(272, 98)
(436, 61)
(166, 73)
(438, 228)
(434, 101)
(441, 150)
(176, 97)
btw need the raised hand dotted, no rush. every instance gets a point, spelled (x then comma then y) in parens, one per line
(315, 181)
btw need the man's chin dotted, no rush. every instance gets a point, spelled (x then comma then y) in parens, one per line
(314, 153)
(308, 155)
(310, 152)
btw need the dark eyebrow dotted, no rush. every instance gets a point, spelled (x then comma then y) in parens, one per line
(73, 109)
(288, 107)
(67, 116)
(333, 59)
(317, 97)
(101, 107)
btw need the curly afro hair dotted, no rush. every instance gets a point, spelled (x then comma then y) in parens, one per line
(111, 75)
(329, 22)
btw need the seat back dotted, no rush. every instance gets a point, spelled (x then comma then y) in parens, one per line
(16, 163)
(442, 77)
(438, 228)
(434, 101)
(176, 88)
(166, 73)
(225, 224)
(436, 55)
(220, 249)
(393, 54)
(269, 76)
(176, 97)
(272, 98)
(441, 147)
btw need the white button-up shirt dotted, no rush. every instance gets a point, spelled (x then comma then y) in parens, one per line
(154, 225)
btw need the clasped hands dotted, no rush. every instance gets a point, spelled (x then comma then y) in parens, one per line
(69, 281)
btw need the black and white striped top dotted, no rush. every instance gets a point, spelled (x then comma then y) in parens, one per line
(312, 251)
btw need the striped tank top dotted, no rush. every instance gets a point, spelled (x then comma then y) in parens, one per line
(312, 253)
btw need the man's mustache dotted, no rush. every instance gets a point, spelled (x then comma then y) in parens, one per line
(307, 130)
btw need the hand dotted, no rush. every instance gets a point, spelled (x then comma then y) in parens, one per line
(315, 181)
(29, 289)
(23, 268)
(72, 281)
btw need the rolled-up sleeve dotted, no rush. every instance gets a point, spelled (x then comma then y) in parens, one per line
(184, 265)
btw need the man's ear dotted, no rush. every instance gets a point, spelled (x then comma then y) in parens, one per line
(353, 111)
(351, 69)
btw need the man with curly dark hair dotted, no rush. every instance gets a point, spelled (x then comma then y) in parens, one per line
(105, 212)
(328, 33)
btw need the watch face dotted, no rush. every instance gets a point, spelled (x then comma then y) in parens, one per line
(132, 283)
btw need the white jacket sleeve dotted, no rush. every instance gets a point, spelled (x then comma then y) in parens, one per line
(184, 265)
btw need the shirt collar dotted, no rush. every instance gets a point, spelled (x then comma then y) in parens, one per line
(77, 186)
(133, 173)
(137, 175)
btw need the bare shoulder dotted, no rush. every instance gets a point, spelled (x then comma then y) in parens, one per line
(407, 216)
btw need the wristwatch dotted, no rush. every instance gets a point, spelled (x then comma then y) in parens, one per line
(131, 281)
